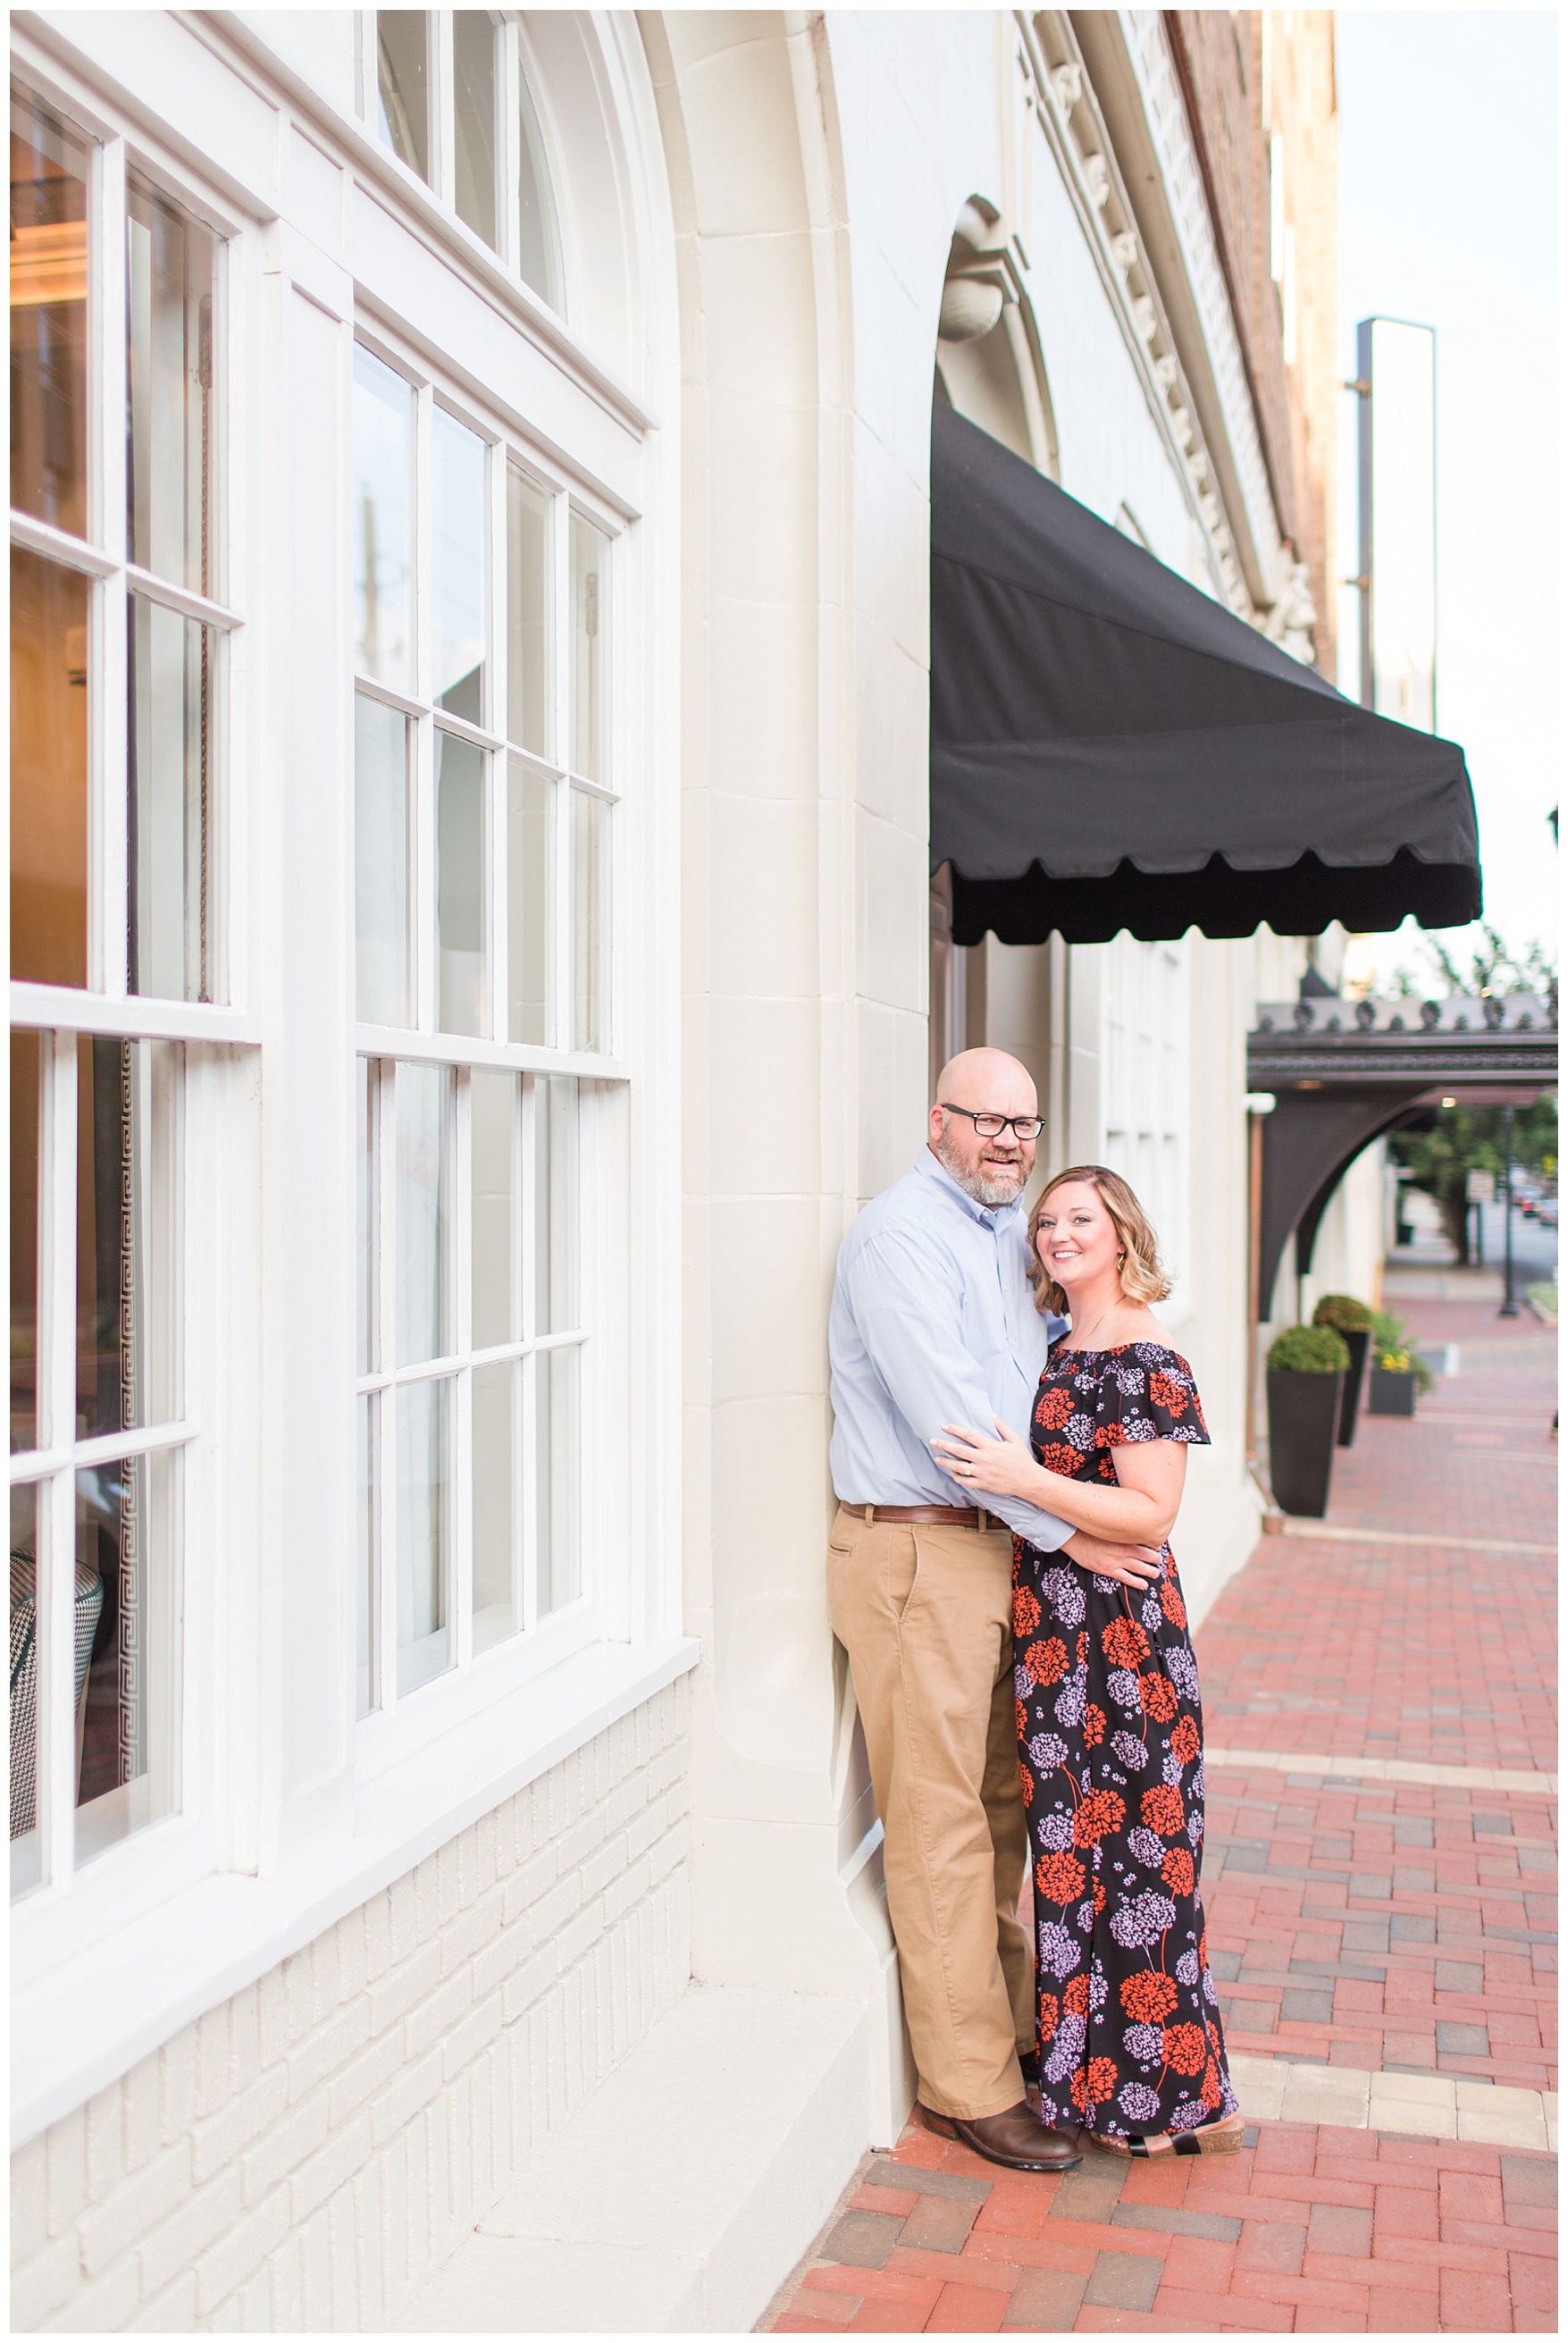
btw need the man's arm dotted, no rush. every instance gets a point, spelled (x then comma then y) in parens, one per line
(908, 1314)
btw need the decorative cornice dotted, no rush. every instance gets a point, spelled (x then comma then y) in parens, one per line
(1074, 128)
(1148, 42)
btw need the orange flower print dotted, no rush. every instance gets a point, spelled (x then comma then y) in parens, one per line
(1078, 2089)
(1166, 1394)
(1159, 1697)
(1172, 1605)
(1099, 1896)
(1177, 1871)
(1075, 1995)
(1184, 1742)
(1060, 1458)
(1058, 1879)
(1047, 1662)
(1082, 1647)
(1052, 1409)
(1210, 2093)
(1101, 2077)
(1025, 1612)
(1026, 1784)
(1020, 1719)
(1186, 2048)
(1093, 1726)
(1049, 2011)
(1099, 1811)
(1109, 1435)
(1148, 1996)
(1161, 1809)
(1124, 1643)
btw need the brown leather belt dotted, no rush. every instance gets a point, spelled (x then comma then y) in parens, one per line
(954, 1517)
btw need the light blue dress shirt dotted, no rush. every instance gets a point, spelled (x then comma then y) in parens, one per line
(933, 1322)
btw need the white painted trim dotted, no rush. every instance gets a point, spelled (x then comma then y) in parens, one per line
(91, 2019)
(1509, 1781)
(474, 1050)
(132, 1017)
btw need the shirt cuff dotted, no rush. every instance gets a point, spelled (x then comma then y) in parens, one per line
(1041, 1529)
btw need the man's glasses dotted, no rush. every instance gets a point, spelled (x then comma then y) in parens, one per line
(991, 1126)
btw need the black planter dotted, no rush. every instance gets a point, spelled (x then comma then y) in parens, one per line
(1355, 1339)
(1390, 1394)
(1303, 1415)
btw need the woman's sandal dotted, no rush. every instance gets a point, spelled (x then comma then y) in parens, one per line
(1222, 2138)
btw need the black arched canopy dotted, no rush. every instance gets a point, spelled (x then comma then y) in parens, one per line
(1111, 749)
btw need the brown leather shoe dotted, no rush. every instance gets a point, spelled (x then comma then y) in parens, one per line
(1016, 2137)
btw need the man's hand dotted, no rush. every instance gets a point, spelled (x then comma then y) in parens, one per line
(1131, 1565)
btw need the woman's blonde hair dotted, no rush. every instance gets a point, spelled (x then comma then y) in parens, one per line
(1143, 1278)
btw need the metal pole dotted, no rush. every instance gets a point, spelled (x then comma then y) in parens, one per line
(1510, 1307)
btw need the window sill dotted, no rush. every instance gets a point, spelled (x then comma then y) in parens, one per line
(86, 2021)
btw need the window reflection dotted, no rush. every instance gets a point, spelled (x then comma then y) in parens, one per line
(556, 1302)
(460, 882)
(538, 250)
(49, 608)
(474, 77)
(496, 1443)
(383, 523)
(590, 631)
(24, 1868)
(496, 1210)
(460, 600)
(25, 1105)
(528, 817)
(127, 1647)
(558, 1476)
(591, 819)
(380, 862)
(48, 317)
(528, 613)
(171, 264)
(424, 1530)
(127, 1284)
(425, 1120)
(171, 664)
(403, 84)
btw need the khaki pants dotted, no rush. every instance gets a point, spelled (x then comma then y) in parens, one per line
(925, 1614)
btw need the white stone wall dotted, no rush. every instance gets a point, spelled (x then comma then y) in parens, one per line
(301, 2156)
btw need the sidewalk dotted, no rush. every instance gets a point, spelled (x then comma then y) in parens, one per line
(1378, 1878)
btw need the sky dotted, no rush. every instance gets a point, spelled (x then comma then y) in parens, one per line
(1448, 219)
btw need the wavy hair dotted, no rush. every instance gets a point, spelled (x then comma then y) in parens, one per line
(1143, 1277)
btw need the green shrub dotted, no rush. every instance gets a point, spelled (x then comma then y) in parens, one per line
(1309, 1351)
(1343, 1311)
(1391, 1350)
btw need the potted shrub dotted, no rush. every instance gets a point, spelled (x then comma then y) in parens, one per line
(1307, 1368)
(1397, 1371)
(1354, 1320)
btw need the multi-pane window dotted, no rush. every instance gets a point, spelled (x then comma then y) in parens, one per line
(119, 639)
(1144, 1007)
(484, 824)
(447, 91)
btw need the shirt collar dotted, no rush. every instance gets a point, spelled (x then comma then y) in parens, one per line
(989, 1216)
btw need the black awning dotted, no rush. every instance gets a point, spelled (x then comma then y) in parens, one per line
(1111, 749)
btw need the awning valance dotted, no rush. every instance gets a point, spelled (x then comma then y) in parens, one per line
(1111, 749)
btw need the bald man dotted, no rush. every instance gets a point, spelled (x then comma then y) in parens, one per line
(934, 1322)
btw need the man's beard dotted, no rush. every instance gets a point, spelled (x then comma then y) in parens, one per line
(989, 1191)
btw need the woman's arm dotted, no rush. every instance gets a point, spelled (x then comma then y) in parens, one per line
(1142, 1508)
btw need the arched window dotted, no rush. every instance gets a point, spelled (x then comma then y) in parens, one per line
(447, 91)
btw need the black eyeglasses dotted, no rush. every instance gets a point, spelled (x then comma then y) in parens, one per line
(991, 1126)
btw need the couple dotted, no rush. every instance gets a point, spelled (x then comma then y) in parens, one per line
(999, 1575)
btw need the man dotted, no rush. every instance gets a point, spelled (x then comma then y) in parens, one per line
(934, 1322)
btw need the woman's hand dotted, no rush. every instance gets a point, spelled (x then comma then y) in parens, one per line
(992, 1468)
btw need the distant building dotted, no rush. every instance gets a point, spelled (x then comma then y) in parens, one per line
(474, 953)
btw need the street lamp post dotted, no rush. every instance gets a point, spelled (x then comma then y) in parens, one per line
(1510, 1307)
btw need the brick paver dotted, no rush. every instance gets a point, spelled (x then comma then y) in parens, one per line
(1355, 1923)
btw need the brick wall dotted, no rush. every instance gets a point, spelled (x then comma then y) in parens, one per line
(1306, 114)
(302, 2155)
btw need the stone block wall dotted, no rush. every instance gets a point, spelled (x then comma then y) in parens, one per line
(303, 2155)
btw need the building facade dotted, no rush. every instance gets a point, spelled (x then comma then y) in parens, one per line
(473, 953)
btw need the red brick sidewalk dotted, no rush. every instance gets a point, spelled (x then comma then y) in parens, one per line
(1353, 1923)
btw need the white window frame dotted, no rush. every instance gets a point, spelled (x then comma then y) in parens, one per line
(76, 1904)
(512, 78)
(1155, 1109)
(412, 1721)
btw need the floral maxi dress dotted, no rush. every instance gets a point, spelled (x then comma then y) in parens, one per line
(1110, 1743)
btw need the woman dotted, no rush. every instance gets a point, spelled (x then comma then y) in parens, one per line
(1110, 1729)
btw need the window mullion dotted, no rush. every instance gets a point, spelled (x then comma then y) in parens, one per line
(107, 699)
(562, 620)
(54, 1589)
(384, 1075)
(527, 1435)
(495, 765)
(443, 88)
(460, 1255)
(426, 970)
(108, 753)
